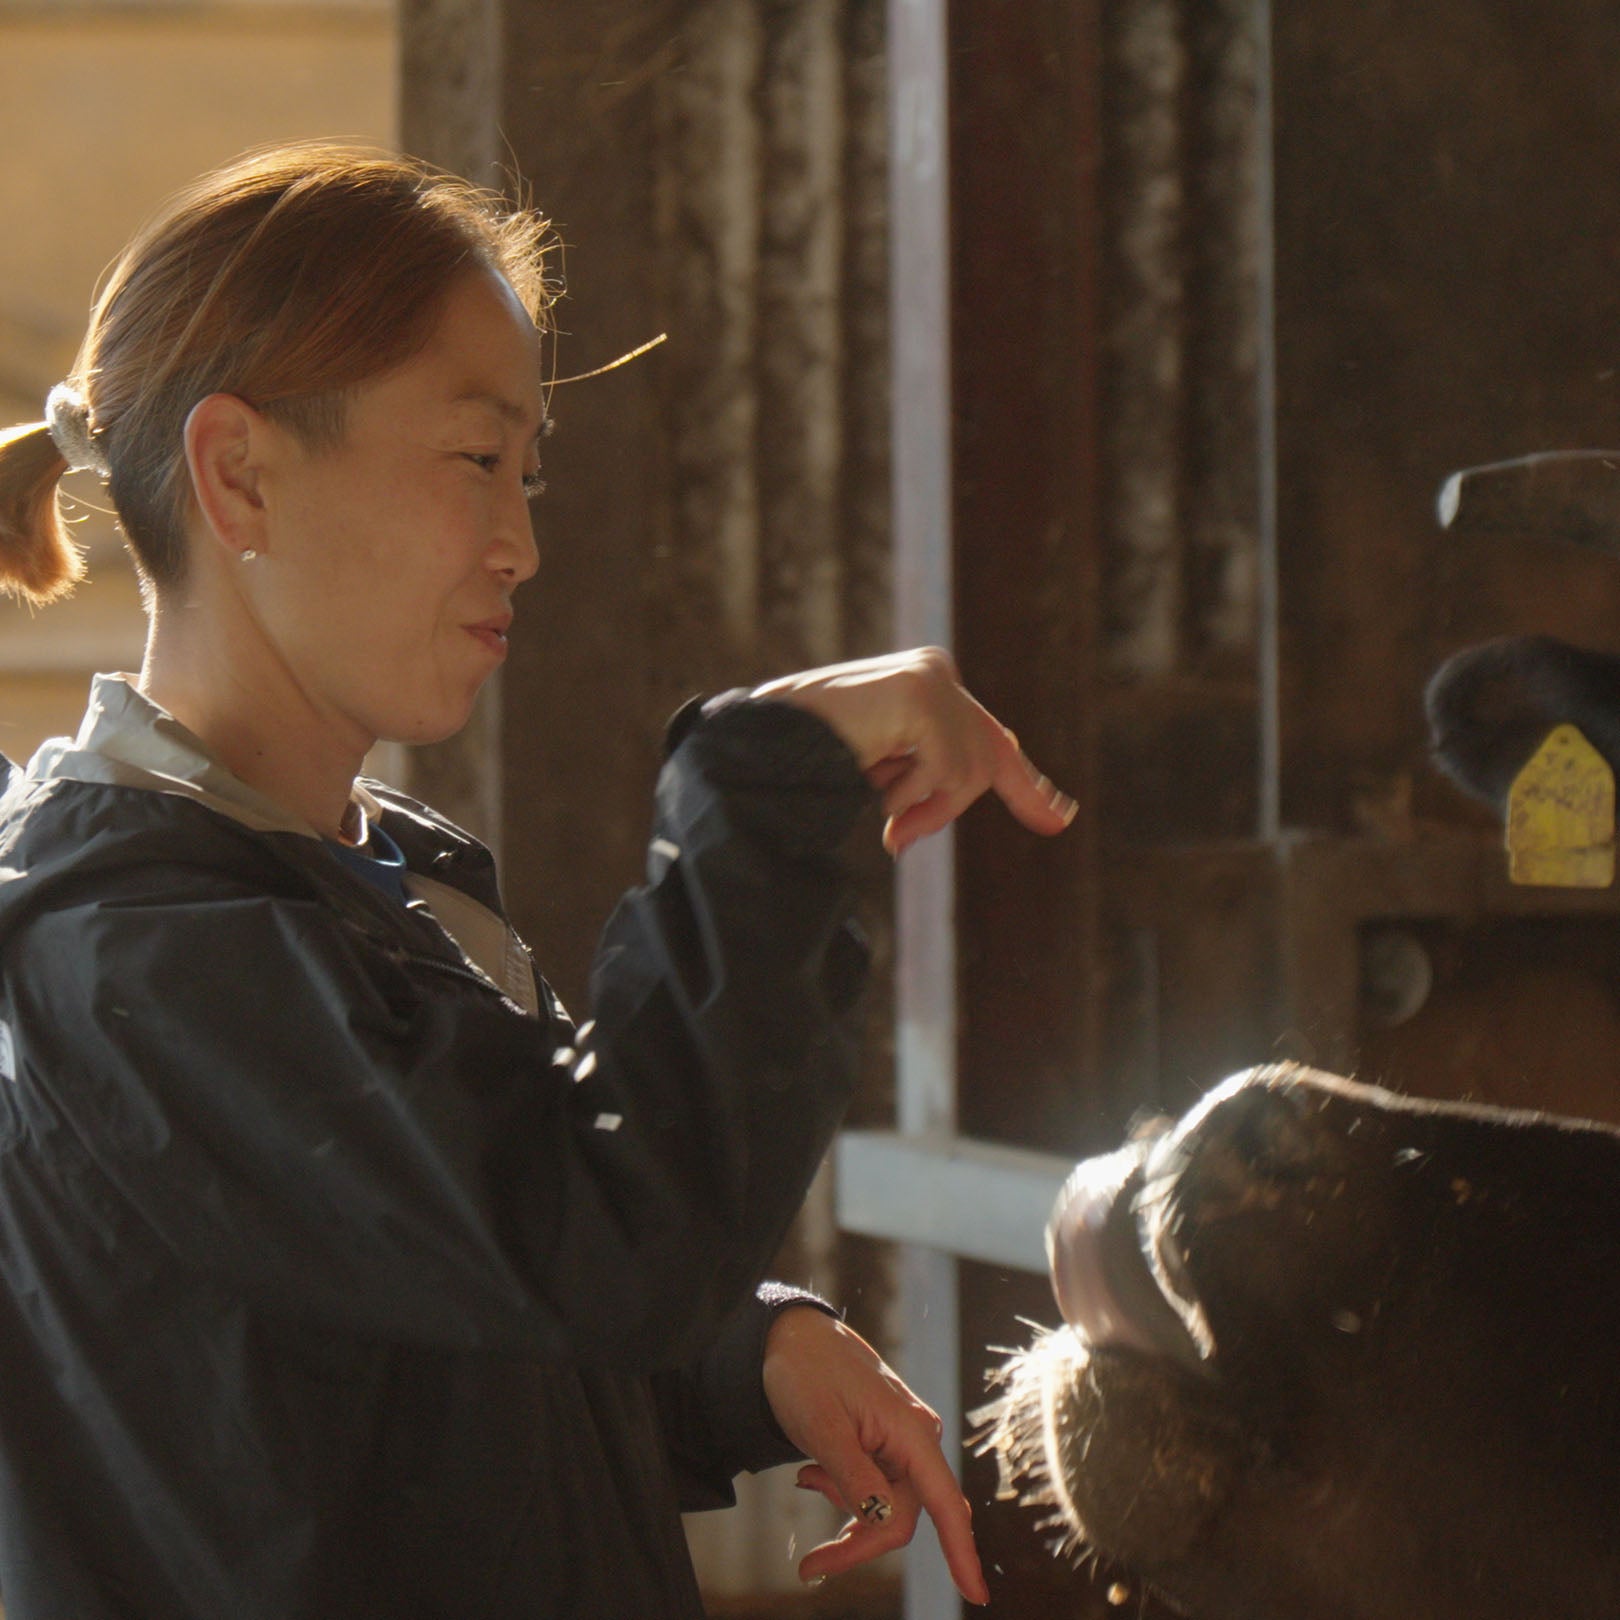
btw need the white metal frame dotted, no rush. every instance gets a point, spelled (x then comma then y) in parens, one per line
(939, 1195)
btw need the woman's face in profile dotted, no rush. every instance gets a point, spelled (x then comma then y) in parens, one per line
(390, 560)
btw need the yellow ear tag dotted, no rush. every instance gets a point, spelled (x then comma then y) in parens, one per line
(1560, 816)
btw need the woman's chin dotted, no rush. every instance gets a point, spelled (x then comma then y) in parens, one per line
(433, 724)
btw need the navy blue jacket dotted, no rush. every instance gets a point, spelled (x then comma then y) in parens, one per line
(333, 1283)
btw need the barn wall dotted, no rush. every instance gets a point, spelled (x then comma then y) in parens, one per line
(1441, 254)
(1135, 592)
(717, 511)
(1446, 295)
(1441, 249)
(711, 518)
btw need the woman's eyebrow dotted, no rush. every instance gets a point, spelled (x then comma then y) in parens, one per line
(507, 409)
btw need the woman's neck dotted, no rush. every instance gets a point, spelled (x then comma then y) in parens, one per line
(220, 682)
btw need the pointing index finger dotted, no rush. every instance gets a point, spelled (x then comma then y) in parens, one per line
(1031, 797)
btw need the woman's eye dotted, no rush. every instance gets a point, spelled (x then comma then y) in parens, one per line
(488, 461)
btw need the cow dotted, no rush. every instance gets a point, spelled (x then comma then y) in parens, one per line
(1333, 1353)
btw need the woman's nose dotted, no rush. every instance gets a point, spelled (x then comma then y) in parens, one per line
(514, 551)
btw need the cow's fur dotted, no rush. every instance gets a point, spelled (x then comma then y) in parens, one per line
(1387, 1385)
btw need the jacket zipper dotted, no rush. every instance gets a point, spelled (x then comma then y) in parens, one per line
(403, 954)
(440, 964)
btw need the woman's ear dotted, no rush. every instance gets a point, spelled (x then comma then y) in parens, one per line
(225, 442)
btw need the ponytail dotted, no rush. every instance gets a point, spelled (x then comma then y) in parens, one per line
(38, 562)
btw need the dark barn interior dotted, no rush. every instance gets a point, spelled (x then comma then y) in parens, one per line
(1233, 286)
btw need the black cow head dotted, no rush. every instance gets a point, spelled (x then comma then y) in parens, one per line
(1334, 1354)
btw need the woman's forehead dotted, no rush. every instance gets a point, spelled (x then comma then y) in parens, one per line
(485, 354)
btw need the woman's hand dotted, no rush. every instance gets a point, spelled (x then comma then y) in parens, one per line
(924, 743)
(875, 1448)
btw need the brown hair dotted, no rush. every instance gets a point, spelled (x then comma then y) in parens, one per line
(287, 278)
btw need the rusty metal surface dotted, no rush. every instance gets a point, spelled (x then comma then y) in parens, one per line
(863, 526)
(1181, 256)
(449, 84)
(708, 197)
(800, 428)
(1180, 325)
(1445, 296)
(1024, 159)
(1523, 1014)
(1144, 335)
(696, 158)
(1256, 951)
(1025, 153)
(1226, 244)
(714, 168)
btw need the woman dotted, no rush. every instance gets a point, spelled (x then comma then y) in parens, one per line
(343, 1275)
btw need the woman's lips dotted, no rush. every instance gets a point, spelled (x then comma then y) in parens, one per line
(492, 633)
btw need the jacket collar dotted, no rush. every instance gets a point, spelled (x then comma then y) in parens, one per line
(125, 738)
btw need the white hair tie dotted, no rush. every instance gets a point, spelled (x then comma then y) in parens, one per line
(67, 414)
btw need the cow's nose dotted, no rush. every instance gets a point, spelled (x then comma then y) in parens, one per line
(1102, 1276)
(1084, 1225)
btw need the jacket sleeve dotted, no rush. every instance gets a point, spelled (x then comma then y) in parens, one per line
(293, 1110)
(714, 1414)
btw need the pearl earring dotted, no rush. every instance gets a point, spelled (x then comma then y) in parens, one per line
(249, 554)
